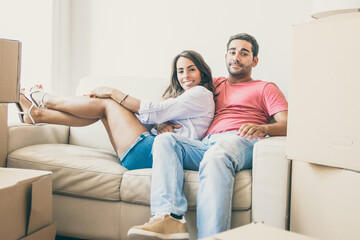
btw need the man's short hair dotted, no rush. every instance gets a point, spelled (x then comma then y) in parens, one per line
(248, 38)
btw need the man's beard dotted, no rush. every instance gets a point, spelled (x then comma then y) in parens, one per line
(244, 71)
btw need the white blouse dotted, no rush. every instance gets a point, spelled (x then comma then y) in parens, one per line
(194, 110)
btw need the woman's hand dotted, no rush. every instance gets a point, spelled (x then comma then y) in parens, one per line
(166, 127)
(101, 92)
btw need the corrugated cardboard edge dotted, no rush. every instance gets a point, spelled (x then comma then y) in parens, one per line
(3, 133)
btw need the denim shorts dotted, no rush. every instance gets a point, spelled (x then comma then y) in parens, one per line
(139, 154)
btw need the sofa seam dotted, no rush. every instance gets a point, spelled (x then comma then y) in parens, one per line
(20, 160)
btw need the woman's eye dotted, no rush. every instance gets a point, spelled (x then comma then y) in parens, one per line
(192, 69)
(180, 72)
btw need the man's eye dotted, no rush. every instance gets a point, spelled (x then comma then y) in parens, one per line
(244, 54)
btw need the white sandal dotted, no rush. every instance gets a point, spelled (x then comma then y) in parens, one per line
(21, 112)
(38, 89)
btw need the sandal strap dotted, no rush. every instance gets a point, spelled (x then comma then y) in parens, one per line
(37, 90)
(28, 113)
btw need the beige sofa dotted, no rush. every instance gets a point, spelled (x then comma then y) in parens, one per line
(96, 198)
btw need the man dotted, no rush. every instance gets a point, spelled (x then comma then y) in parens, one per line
(244, 108)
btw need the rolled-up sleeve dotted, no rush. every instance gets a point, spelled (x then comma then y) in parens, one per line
(193, 103)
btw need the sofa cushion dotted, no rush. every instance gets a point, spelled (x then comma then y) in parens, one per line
(136, 185)
(77, 171)
(92, 173)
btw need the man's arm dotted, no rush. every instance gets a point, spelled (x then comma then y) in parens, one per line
(278, 128)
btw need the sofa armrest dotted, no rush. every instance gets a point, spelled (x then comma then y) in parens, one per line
(22, 135)
(271, 183)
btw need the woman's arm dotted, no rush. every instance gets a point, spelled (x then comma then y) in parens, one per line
(130, 103)
(193, 103)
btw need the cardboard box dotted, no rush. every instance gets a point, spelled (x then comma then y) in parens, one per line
(26, 205)
(324, 111)
(256, 232)
(325, 201)
(3, 134)
(10, 59)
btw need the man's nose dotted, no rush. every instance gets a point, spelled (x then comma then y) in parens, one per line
(236, 56)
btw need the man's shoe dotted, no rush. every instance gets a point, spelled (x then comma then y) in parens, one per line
(160, 227)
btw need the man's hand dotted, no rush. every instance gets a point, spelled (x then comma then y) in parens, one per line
(252, 131)
(273, 129)
(167, 127)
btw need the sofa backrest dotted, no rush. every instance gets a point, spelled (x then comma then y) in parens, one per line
(95, 135)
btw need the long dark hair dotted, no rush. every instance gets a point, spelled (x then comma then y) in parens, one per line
(175, 89)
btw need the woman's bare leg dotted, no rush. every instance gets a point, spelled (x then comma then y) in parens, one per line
(122, 125)
(41, 115)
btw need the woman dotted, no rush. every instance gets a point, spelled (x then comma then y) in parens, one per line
(188, 101)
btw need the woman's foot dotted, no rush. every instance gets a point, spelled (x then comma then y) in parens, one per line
(37, 95)
(26, 109)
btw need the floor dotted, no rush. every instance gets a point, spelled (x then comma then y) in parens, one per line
(66, 238)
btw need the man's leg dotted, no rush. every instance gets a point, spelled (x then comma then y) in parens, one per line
(171, 154)
(230, 154)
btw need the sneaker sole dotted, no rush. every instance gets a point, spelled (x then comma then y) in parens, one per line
(138, 234)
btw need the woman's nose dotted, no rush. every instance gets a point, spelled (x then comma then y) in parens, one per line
(186, 74)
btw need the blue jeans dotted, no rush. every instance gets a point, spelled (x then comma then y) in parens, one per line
(217, 158)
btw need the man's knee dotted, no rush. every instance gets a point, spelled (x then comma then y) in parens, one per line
(214, 158)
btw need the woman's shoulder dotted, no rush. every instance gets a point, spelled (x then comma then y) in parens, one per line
(199, 89)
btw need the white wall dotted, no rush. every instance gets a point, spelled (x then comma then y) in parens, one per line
(65, 40)
(141, 37)
(31, 23)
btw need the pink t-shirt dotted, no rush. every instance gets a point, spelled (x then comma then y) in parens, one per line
(250, 102)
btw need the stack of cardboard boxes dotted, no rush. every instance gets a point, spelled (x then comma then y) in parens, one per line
(10, 61)
(25, 195)
(324, 129)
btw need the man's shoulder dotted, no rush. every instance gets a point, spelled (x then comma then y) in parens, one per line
(264, 84)
(219, 79)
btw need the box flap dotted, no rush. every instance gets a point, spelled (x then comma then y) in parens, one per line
(258, 231)
(12, 176)
(41, 204)
(46, 233)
